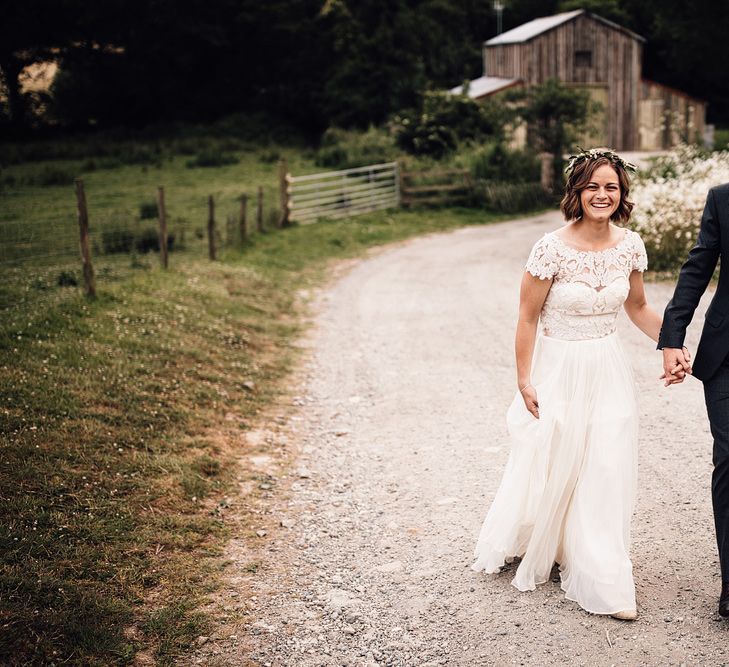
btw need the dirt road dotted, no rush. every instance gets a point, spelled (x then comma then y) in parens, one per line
(403, 443)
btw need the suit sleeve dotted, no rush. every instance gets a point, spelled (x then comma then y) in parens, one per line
(692, 280)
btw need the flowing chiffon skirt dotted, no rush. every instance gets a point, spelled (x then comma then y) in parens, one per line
(568, 490)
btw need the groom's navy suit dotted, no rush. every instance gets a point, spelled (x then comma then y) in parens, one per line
(711, 364)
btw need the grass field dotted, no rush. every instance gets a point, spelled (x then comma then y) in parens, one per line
(38, 213)
(122, 417)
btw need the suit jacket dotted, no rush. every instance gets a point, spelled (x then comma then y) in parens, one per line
(712, 243)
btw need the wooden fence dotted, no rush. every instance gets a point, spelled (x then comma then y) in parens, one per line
(440, 187)
(340, 194)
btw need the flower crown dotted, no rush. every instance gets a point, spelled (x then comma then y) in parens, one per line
(595, 153)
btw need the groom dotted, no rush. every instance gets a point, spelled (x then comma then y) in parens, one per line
(712, 356)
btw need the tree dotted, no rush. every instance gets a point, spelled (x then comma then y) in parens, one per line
(29, 32)
(613, 10)
(35, 31)
(556, 116)
(442, 121)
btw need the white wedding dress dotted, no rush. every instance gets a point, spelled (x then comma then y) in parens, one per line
(568, 489)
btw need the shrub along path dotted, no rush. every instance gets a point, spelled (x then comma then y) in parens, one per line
(364, 554)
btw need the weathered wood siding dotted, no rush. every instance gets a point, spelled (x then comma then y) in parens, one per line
(616, 62)
(669, 116)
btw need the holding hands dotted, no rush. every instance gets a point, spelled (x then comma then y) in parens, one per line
(676, 365)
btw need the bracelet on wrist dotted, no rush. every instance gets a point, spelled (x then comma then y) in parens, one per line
(528, 384)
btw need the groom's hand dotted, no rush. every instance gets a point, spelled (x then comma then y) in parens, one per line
(676, 364)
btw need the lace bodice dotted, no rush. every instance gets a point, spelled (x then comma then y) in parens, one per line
(588, 287)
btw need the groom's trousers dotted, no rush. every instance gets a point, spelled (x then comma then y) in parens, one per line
(716, 393)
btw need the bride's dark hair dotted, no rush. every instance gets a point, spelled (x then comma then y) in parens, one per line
(578, 179)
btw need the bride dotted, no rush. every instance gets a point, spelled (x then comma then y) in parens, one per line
(568, 489)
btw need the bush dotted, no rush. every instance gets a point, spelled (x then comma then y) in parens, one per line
(147, 240)
(66, 279)
(721, 139)
(52, 175)
(269, 157)
(147, 210)
(556, 114)
(212, 157)
(669, 199)
(118, 239)
(443, 120)
(495, 163)
(502, 197)
(137, 153)
(342, 149)
(6, 180)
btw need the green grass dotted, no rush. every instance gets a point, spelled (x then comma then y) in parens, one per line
(40, 221)
(123, 417)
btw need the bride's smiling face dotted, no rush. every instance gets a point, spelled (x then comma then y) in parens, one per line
(601, 196)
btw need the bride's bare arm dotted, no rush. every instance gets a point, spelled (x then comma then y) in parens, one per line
(649, 322)
(638, 310)
(533, 293)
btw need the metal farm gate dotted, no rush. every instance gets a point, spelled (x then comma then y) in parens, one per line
(344, 193)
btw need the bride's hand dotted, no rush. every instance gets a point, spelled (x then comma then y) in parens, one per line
(529, 394)
(676, 365)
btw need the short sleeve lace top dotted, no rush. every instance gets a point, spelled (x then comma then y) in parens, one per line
(588, 287)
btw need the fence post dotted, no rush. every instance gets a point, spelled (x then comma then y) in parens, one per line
(83, 226)
(162, 213)
(398, 183)
(211, 228)
(259, 210)
(283, 187)
(243, 222)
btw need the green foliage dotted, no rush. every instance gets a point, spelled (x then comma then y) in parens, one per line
(507, 197)
(67, 279)
(211, 157)
(147, 240)
(556, 114)
(52, 175)
(383, 54)
(494, 162)
(442, 121)
(341, 149)
(118, 238)
(315, 63)
(98, 152)
(613, 10)
(107, 406)
(721, 139)
(148, 209)
(269, 157)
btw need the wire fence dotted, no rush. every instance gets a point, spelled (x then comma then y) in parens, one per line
(46, 233)
(66, 234)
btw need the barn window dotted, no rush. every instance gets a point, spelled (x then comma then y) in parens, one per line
(583, 58)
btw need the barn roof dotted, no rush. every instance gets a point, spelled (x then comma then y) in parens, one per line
(527, 31)
(485, 85)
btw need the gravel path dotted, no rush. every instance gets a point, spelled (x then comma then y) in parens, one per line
(402, 442)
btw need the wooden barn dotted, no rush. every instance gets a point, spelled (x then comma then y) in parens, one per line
(581, 49)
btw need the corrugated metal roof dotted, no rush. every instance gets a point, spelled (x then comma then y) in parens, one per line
(527, 31)
(484, 85)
